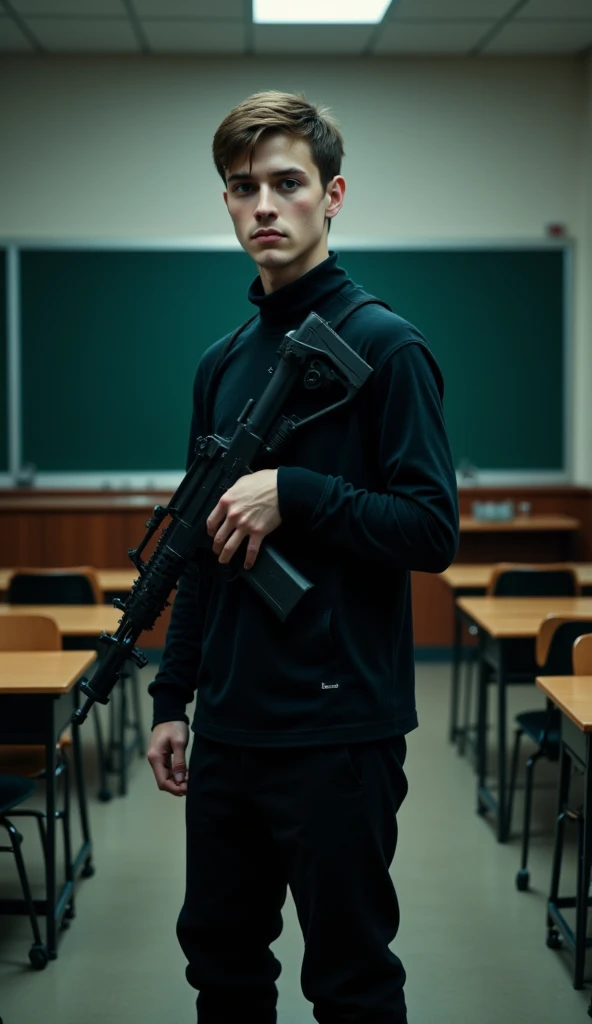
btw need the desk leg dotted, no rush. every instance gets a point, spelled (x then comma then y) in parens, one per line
(562, 799)
(502, 823)
(50, 860)
(88, 869)
(583, 884)
(455, 681)
(481, 734)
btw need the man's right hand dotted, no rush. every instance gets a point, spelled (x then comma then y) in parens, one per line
(167, 756)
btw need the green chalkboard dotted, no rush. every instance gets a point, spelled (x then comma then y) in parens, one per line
(3, 366)
(495, 322)
(111, 339)
(111, 342)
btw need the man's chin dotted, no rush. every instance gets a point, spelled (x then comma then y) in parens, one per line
(272, 258)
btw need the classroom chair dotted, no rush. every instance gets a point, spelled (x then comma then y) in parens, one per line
(510, 579)
(13, 792)
(80, 585)
(554, 657)
(40, 633)
(582, 656)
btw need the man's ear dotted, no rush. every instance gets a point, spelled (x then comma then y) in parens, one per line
(336, 194)
(225, 198)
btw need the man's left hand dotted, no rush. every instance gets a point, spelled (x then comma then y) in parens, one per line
(248, 509)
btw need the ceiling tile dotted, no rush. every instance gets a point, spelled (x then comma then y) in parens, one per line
(542, 37)
(75, 8)
(84, 35)
(12, 39)
(440, 10)
(431, 37)
(183, 36)
(191, 8)
(557, 9)
(305, 40)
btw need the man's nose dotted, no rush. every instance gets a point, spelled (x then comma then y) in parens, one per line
(266, 206)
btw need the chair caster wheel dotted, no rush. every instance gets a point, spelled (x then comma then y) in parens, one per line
(481, 810)
(522, 880)
(554, 940)
(38, 957)
(88, 870)
(105, 795)
(70, 912)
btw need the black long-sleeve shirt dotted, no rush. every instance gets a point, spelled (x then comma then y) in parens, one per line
(366, 495)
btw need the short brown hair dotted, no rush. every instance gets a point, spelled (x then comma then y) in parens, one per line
(286, 112)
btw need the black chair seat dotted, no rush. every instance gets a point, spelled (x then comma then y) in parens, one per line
(14, 790)
(534, 723)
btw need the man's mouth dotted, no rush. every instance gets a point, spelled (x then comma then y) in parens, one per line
(268, 233)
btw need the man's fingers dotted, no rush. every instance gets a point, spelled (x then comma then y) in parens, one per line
(231, 547)
(170, 778)
(252, 551)
(216, 516)
(179, 769)
(222, 536)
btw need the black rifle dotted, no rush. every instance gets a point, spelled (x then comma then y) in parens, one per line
(313, 353)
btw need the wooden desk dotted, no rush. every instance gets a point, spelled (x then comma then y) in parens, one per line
(111, 581)
(82, 625)
(472, 580)
(73, 620)
(501, 622)
(460, 577)
(573, 696)
(557, 523)
(37, 697)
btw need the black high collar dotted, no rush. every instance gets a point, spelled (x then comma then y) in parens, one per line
(289, 305)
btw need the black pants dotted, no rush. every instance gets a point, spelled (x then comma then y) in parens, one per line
(323, 821)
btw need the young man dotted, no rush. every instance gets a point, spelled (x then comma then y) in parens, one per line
(296, 771)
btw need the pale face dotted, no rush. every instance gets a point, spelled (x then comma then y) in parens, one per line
(279, 208)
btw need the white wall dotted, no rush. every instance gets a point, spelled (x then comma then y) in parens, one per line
(435, 149)
(438, 149)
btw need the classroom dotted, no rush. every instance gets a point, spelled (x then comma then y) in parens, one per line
(393, 700)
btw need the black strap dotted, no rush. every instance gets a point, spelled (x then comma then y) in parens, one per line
(351, 307)
(347, 310)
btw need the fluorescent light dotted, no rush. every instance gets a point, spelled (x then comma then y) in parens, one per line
(319, 12)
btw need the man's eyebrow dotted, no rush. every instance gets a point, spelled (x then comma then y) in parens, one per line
(244, 175)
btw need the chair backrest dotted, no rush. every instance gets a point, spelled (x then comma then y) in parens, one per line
(582, 655)
(78, 585)
(555, 640)
(29, 633)
(510, 579)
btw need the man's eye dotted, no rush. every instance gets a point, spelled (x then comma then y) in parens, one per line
(242, 185)
(290, 184)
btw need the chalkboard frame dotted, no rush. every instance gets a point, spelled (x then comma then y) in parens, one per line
(132, 480)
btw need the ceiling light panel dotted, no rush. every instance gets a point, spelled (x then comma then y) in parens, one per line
(319, 12)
